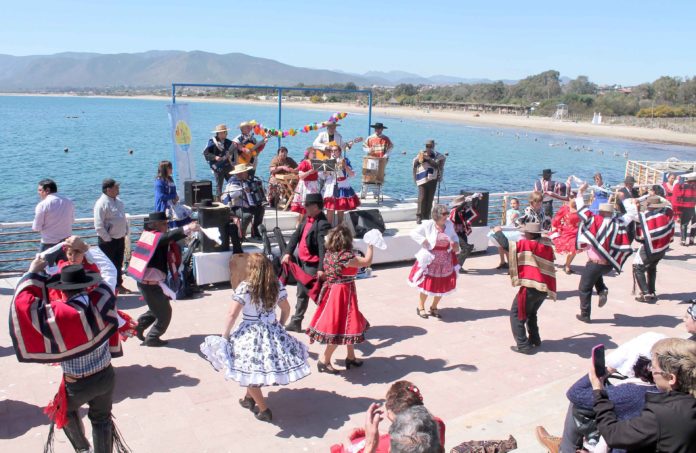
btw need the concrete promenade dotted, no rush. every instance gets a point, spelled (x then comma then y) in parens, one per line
(171, 400)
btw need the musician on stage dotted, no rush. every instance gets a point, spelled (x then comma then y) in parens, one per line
(247, 146)
(378, 144)
(244, 199)
(281, 164)
(427, 172)
(220, 155)
(328, 136)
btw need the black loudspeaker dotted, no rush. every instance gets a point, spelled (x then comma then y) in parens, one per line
(218, 216)
(196, 191)
(364, 220)
(478, 208)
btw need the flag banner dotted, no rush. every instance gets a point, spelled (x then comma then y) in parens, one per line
(184, 165)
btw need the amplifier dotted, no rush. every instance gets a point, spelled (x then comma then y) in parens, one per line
(363, 220)
(216, 217)
(196, 191)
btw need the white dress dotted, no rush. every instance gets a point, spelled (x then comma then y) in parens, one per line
(259, 352)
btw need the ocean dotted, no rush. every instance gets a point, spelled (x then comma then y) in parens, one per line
(98, 134)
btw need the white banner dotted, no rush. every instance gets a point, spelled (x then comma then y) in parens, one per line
(184, 165)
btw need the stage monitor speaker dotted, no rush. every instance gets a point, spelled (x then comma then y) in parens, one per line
(479, 208)
(215, 217)
(196, 191)
(363, 220)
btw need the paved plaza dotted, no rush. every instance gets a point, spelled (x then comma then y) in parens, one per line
(171, 400)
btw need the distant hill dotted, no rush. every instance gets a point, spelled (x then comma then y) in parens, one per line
(158, 69)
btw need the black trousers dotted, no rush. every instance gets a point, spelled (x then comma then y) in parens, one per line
(159, 313)
(219, 182)
(465, 248)
(302, 295)
(96, 391)
(253, 215)
(547, 206)
(687, 215)
(426, 194)
(534, 300)
(592, 277)
(647, 269)
(115, 249)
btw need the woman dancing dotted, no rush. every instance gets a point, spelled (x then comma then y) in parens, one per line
(435, 271)
(309, 183)
(565, 225)
(259, 352)
(338, 319)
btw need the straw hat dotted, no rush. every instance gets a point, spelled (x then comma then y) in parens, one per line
(654, 202)
(457, 201)
(245, 124)
(240, 168)
(76, 243)
(606, 207)
(532, 227)
(220, 128)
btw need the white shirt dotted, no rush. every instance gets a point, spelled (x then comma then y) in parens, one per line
(53, 218)
(110, 218)
(323, 139)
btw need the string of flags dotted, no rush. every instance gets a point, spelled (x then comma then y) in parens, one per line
(259, 129)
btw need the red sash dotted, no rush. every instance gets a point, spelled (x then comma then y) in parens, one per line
(610, 238)
(143, 253)
(531, 266)
(45, 331)
(656, 228)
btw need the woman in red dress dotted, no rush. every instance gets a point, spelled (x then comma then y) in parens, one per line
(435, 271)
(668, 187)
(565, 231)
(338, 319)
(309, 183)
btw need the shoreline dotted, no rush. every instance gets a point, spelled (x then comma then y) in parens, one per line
(545, 124)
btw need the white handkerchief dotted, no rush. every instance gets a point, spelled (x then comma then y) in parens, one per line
(212, 233)
(374, 237)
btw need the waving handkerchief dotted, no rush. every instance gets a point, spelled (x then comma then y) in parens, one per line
(212, 233)
(374, 237)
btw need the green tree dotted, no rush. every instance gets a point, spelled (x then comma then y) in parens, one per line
(581, 85)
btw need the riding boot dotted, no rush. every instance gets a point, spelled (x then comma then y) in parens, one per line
(103, 437)
(75, 432)
(639, 276)
(652, 277)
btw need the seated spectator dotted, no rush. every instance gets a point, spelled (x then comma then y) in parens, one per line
(413, 431)
(401, 396)
(690, 320)
(668, 420)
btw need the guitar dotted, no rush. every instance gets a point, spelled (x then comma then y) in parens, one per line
(323, 155)
(224, 165)
(249, 152)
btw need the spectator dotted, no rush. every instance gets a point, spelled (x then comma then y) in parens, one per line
(690, 320)
(112, 227)
(53, 216)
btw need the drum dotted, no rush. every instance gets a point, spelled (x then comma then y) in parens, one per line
(257, 194)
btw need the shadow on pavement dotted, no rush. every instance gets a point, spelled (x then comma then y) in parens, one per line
(580, 345)
(6, 351)
(384, 370)
(306, 412)
(18, 417)
(646, 321)
(461, 314)
(380, 337)
(138, 381)
(190, 344)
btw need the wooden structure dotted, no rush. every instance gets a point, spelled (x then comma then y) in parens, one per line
(654, 172)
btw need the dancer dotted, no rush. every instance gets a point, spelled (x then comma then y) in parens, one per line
(338, 319)
(84, 324)
(684, 201)
(609, 248)
(534, 213)
(339, 195)
(565, 227)
(461, 216)
(148, 267)
(668, 186)
(531, 268)
(435, 271)
(309, 241)
(309, 183)
(259, 352)
(655, 230)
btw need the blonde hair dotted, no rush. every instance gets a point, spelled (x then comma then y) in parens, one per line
(678, 357)
(536, 197)
(262, 281)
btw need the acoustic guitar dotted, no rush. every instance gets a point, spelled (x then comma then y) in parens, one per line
(250, 151)
(323, 155)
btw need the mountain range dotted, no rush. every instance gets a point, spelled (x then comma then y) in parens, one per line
(158, 69)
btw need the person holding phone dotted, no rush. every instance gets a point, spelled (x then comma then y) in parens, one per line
(668, 421)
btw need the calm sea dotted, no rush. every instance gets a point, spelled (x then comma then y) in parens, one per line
(98, 133)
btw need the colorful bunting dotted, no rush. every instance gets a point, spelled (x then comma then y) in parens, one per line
(263, 131)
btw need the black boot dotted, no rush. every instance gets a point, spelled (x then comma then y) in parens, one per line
(103, 437)
(75, 432)
(639, 276)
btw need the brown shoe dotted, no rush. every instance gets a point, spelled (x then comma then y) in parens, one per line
(123, 290)
(552, 443)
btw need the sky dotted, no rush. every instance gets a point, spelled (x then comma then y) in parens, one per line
(611, 42)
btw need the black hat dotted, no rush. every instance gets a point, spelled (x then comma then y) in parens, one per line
(378, 126)
(205, 203)
(547, 171)
(73, 277)
(314, 198)
(108, 183)
(159, 216)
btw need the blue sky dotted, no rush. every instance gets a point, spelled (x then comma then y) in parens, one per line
(611, 42)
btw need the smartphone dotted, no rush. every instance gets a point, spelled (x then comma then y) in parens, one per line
(598, 360)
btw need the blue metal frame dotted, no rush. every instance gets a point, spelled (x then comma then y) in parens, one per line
(280, 89)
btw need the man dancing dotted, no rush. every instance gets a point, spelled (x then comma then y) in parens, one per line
(532, 269)
(308, 240)
(610, 247)
(81, 334)
(655, 230)
(684, 201)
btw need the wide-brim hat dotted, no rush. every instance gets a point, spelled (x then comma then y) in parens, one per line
(220, 128)
(73, 277)
(654, 202)
(378, 126)
(313, 198)
(332, 123)
(240, 168)
(158, 216)
(76, 243)
(246, 124)
(430, 143)
(606, 207)
(547, 171)
(532, 227)
(458, 200)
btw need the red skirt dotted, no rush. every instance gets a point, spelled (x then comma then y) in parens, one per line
(342, 203)
(439, 278)
(338, 319)
(565, 242)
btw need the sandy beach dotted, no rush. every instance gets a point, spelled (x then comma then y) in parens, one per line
(470, 118)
